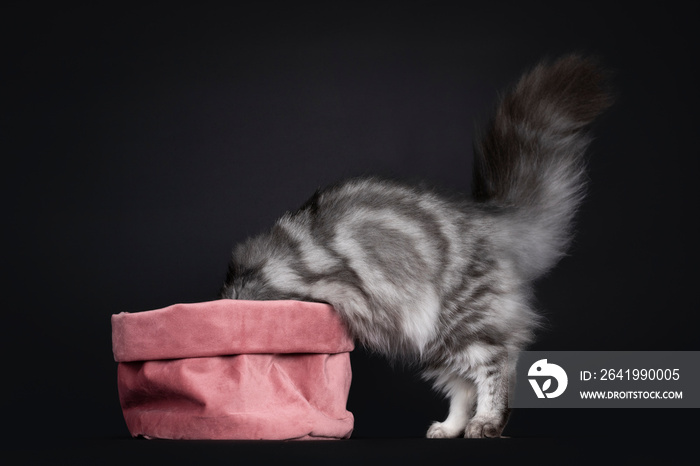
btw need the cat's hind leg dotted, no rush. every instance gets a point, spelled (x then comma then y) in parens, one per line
(492, 383)
(461, 394)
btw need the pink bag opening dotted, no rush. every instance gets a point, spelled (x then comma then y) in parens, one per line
(232, 369)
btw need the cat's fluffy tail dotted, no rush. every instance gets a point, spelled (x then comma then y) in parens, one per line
(529, 163)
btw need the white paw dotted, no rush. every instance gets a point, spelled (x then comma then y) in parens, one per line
(442, 430)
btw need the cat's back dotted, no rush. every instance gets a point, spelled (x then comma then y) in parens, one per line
(375, 196)
(393, 230)
(391, 256)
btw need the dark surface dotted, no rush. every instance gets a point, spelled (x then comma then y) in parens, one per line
(139, 145)
(363, 451)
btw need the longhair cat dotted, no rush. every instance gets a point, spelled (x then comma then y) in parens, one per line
(445, 282)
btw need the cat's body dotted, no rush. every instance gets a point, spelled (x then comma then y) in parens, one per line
(441, 281)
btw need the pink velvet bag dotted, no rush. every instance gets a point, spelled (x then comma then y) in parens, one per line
(234, 370)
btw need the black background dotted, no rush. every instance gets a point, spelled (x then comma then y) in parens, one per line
(140, 143)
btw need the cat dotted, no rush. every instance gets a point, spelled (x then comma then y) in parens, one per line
(446, 281)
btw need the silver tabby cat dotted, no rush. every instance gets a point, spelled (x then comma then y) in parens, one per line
(445, 282)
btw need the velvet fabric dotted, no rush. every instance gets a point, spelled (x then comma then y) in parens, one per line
(233, 369)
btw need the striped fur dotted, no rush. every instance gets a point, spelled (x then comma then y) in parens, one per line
(442, 281)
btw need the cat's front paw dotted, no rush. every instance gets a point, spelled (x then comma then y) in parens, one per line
(442, 430)
(483, 428)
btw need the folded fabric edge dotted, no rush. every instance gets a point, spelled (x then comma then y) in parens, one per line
(228, 327)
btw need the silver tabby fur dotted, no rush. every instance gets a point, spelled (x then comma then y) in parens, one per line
(445, 282)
